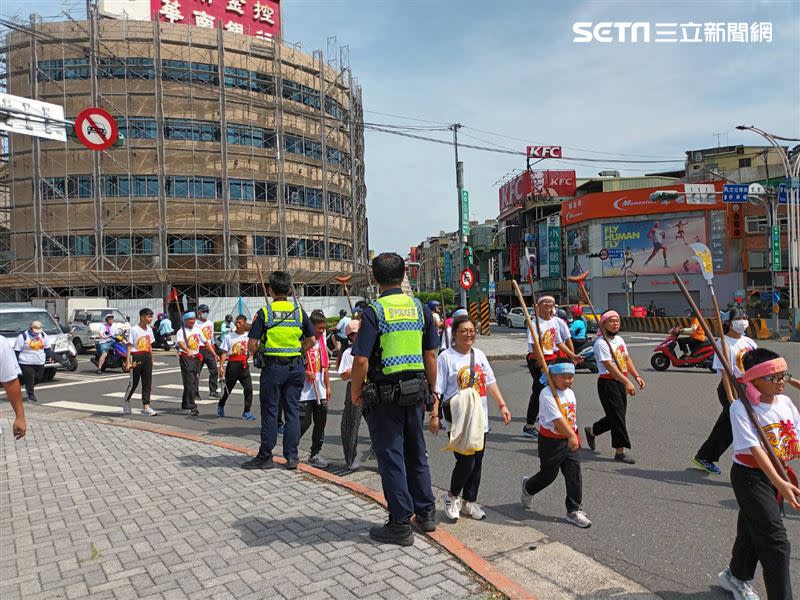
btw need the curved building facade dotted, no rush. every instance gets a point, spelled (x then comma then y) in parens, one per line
(238, 152)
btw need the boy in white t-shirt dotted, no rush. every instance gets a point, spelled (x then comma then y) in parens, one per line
(189, 340)
(139, 362)
(613, 386)
(760, 533)
(558, 443)
(316, 391)
(233, 367)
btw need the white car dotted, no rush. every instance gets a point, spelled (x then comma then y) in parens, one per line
(516, 318)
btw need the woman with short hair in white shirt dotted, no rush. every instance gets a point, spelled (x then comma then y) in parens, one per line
(453, 375)
(31, 347)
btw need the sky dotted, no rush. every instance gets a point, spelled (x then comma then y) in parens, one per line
(510, 73)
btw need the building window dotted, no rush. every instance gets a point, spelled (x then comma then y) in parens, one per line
(242, 189)
(756, 224)
(127, 245)
(189, 72)
(138, 128)
(65, 188)
(266, 191)
(63, 245)
(757, 259)
(744, 162)
(266, 246)
(190, 245)
(247, 135)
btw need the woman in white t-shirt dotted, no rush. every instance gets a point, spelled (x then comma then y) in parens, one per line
(736, 346)
(31, 346)
(453, 375)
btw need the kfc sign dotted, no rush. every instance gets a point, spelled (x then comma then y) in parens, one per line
(257, 18)
(513, 193)
(544, 151)
(553, 184)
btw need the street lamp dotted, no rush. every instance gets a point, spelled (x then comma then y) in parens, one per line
(793, 214)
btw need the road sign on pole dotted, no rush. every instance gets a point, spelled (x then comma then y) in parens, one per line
(96, 129)
(31, 117)
(466, 279)
(776, 248)
(465, 212)
(735, 192)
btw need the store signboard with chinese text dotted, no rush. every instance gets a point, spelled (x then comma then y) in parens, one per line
(257, 18)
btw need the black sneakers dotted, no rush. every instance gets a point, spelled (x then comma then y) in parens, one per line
(625, 458)
(589, 437)
(426, 520)
(259, 462)
(291, 463)
(393, 532)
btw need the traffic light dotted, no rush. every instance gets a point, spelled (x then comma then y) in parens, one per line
(468, 255)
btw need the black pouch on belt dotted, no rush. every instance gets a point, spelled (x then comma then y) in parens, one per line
(410, 392)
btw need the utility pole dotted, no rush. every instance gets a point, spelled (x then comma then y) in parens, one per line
(461, 216)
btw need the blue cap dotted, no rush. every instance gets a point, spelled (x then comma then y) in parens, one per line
(189, 315)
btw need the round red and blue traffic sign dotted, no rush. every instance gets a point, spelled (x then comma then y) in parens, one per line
(96, 128)
(467, 279)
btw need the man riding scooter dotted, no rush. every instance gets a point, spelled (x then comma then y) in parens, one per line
(577, 327)
(108, 333)
(691, 339)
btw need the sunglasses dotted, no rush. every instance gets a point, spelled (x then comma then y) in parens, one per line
(779, 378)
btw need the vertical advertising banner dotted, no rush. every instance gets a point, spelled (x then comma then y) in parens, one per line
(448, 268)
(554, 245)
(656, 247)
(544, 249)
(577, 249)
(513, 255)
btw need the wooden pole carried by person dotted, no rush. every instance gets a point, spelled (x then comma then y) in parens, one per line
(580, 280)
(703, 256)
(776, 463)
(344, 280)
(261, 280)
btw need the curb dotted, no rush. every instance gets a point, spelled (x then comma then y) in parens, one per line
(507, 356)
(471, 559)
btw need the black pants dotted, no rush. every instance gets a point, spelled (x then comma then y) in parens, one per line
(615, 404)
(318, 413)
(466, 477)
(351, 421)
(29, 375)
(238, 372)
(142, 370)
(536, 389)
(555, 456)
(688, 344)
(721, 436)
(760, 534)
(190, 367)
(213, 372)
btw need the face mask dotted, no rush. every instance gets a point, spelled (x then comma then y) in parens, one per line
(739, 326)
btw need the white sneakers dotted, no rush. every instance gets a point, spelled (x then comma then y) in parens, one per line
(452, 506)
(126, 407)
(524, 497)
(471, 509)
(149, 412)
(579, 519)
(741, 590)
(455, 507)
(318, 461)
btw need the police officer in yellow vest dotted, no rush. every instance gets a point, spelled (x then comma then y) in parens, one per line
(396, 353)
(280, 334)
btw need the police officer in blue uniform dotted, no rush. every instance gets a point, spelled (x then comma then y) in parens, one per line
(396, 353)
(279, 337)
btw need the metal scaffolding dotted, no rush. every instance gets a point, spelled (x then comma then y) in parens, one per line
(132, 221)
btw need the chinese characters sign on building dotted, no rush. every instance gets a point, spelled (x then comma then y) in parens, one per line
(257, 18)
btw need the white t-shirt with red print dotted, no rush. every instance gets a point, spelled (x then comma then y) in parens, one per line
(141, 340)
(779, 420)
(551, 336)
(550, 410)
(208, 330)
(452, 376)
(235, 345)
(602, 353)
(314, 355)
(194, 339)
(736, 349)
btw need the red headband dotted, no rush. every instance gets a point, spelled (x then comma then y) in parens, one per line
(607, 315)
(776, 365)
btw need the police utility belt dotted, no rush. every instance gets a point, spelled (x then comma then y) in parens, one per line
(261, 360)
(404, 393)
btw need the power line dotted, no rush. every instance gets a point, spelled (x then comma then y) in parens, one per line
(514, 152)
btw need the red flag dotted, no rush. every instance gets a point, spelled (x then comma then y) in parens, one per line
(173, 295)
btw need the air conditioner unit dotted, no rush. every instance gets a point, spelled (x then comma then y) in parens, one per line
(784, 228)
(762, 228)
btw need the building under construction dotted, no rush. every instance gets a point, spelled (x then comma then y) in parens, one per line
(238, 151)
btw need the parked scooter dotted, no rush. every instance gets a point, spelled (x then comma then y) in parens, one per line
(502, 316)
(586, 351)
(116, 355)
(664, 354)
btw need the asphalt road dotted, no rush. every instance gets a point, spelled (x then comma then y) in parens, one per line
(659, 522)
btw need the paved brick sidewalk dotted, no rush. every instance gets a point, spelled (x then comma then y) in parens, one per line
(94, 511)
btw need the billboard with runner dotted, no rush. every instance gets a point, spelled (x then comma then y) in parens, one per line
(653, 247)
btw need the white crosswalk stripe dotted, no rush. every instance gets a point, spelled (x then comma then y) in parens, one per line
(155, 398)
